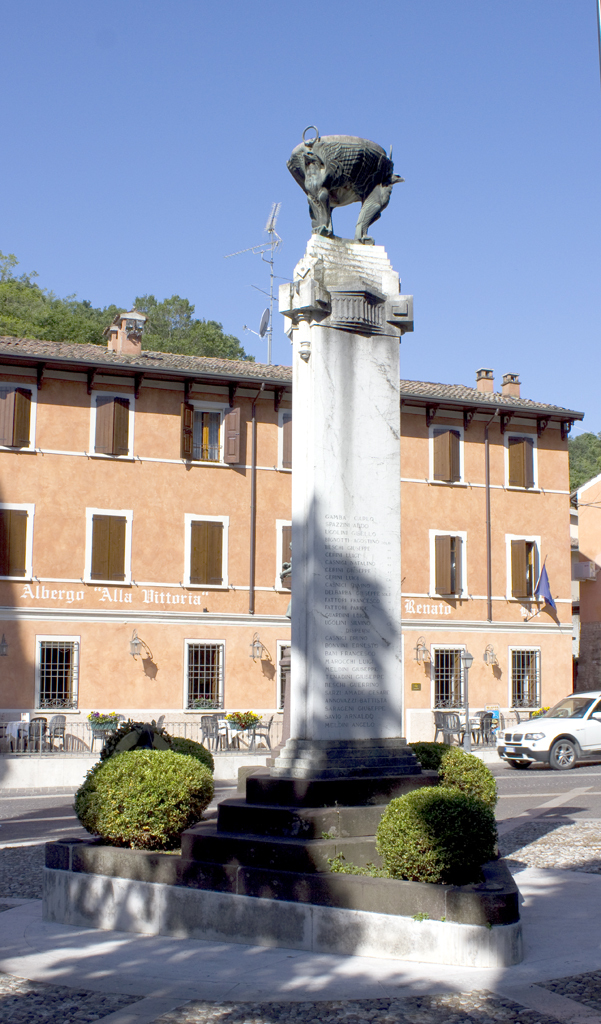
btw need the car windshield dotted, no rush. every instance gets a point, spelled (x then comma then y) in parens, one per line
(570, 707)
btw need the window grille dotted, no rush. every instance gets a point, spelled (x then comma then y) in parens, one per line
(59, 670)
(205, 676)
(206, 436)
(525, 679)
(448, 678)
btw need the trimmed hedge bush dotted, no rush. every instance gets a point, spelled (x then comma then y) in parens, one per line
(436, 834)
(430, 755)
(463, 771)
(124, 730)
(144, 799)
(183, 746)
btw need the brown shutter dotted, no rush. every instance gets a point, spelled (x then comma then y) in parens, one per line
(103, 442)
(100, 547)
(517, 474)
(443, 564)
(22, 418)
(519, 567)
(215, 553)
(187, 431)
(287, 440)
(120, 444)
(286, 553)
(231, 431)
(528, 463)
(198, 551)
(456, 549)
(13, 541)
(7, 415)
(116, 553)
(442, 455)
(454, 463)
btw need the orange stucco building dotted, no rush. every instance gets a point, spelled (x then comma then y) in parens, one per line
(586, 572)
(151, 492)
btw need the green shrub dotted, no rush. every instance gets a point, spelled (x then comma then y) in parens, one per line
(183, 746)
(110, 744)
(144, 799)
(436, 834)
(430, 755)
(459, 770)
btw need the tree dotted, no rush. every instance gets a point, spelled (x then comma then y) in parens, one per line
(585, 458)
(172, 327)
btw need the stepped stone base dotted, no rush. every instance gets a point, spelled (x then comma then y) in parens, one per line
(339, 759)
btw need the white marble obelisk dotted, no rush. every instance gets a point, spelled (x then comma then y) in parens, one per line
(346, 682)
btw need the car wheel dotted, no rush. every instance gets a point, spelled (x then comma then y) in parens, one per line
(563, 755)
(518, 764)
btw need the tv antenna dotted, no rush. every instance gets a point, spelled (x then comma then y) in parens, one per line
(267, 251)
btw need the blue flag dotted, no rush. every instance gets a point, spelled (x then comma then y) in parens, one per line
(543, 589)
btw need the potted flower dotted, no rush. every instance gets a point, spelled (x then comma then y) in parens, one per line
(240, 720)
(103, 721)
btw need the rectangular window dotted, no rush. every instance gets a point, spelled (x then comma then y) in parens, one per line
(16, 541)
(206, 436)
(15, 416)
(204, 675)
(520, 459)
(112, 424)
(286, 422)
(283, 649)
(58, 670)
(206, 551)
(283, 552)
(523, 568)
(446, 454)
(448, 678)
(448, 564)
(525, 679)
(108, 545)
(210, 435)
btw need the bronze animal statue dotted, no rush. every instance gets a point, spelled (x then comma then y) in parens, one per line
(340, 169)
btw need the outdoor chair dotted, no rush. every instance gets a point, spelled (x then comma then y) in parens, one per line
(486, 726)
(209, 731)
(36, 739)
(449, 724)
(56, 731)
(261, 731)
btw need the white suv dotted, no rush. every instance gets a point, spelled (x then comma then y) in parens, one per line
(569, 732)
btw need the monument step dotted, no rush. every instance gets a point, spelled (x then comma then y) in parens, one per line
(206, 844)
(263, 788)
(239, 816)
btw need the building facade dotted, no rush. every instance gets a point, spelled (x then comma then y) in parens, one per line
(586, 568)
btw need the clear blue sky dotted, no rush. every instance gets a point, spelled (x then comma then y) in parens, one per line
(145, 140)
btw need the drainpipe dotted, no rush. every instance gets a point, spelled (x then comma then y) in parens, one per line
(488, 519)
(253, 505)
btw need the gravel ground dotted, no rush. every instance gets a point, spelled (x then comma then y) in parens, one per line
(583, 988)
(475, 1008)
(21, 872)
(35, 1002)
(557, 843)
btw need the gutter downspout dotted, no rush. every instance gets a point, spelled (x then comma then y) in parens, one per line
(488, 519)
(253, 505)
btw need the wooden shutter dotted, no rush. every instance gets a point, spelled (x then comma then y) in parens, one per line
(446, 456)
(528, 462)
(187, 431)
(443, 564)
(7, 415)
(286, 552)
(100, 547)
(231, 433)
(13, 541)
(206, 553)
(454, 457)
(120, 445)
(116, 552)
(22, 418)
(456, 583)
(287, 440)
(103, 442)
(521, 462)
(519, 568)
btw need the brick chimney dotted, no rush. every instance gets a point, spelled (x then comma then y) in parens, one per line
(511, 384)
(124, 335)
(485, 380)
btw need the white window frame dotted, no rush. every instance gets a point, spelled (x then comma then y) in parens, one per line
(448, 533)
(534, 648)
(30, 509)
(130, 424)
(279, 524)
(446, 647)
(284, 469)
(279, 644)
(189, 518)
(459, 430)
(223, 410)
(129, 516)
(58, 638)
(208, 642)
(508, 539)
(531, 437)
(32, 418)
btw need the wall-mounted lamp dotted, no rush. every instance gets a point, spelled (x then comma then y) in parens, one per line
(136, 646)
(422, 653)
(258, 649)
(490, 657)
(3, 647)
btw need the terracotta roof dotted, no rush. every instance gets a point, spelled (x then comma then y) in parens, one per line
(457, 394)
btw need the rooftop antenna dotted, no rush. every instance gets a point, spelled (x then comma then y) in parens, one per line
(264, 248)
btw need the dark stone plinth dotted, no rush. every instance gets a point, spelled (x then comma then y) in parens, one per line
(298, 822)
(338, 759)
(262, 788)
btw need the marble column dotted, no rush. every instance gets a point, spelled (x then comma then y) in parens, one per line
(346, 317)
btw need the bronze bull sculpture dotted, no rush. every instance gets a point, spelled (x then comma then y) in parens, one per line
(340, 169)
